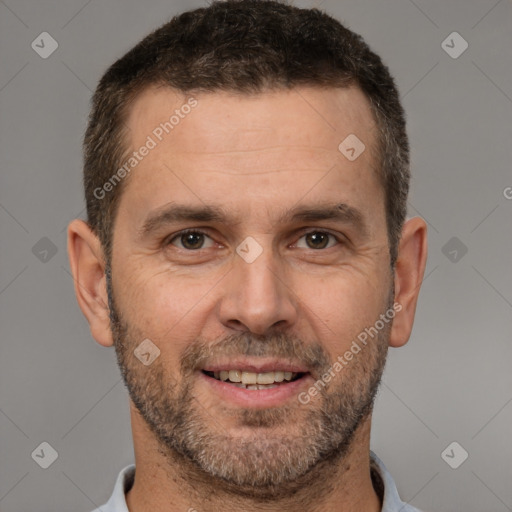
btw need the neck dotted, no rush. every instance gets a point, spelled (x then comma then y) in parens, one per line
(163, 484)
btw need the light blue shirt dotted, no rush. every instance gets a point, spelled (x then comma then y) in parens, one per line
(391, 501)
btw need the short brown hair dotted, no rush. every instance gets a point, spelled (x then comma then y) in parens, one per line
(244, 46)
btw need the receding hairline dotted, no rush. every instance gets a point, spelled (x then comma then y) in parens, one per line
(297, 47)
(126, 142)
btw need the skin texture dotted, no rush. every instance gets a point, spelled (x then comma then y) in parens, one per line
(304, 299)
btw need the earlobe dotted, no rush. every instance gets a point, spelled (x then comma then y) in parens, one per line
(409, 271)
(88, 270)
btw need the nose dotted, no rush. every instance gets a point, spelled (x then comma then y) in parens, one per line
(258, 296)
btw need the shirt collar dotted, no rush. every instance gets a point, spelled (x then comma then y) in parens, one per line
(391, 501)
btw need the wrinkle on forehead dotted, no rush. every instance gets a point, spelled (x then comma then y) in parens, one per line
(224, 121)
(251, 137)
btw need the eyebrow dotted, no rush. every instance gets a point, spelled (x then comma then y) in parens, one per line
(174, 213)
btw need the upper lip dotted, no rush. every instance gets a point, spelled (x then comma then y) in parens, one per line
(262, 366)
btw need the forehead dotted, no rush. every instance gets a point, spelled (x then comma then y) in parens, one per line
(305, 116)
(268, 149)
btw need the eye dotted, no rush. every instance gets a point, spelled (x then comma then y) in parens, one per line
(190, 239)
(318, 240)
(194, 240)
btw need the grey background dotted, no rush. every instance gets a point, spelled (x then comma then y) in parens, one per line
(451, 382)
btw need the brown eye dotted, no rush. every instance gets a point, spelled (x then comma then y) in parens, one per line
(318, 240)
(190, 240)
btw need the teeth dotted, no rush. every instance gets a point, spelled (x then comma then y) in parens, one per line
(235, 376)
(250, 379)
(265, 378)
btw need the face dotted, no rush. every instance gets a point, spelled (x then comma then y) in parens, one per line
(283, 264)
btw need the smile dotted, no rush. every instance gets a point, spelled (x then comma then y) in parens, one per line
(253, 380)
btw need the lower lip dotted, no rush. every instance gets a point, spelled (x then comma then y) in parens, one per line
(257, 398)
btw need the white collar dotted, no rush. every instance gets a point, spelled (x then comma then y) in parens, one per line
(391, 501)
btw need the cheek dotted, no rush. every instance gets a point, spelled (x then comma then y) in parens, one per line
(342, 307)
(168, 309)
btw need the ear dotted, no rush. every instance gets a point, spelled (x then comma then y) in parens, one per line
(88, 268)
(409, 271)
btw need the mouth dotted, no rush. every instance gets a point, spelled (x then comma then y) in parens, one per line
(251, 380)
(258, 384)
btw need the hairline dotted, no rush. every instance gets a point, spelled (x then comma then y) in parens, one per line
(376, 148)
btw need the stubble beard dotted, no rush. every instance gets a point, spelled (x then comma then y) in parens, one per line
(282, 448)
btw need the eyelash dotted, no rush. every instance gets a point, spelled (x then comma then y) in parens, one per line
(168, 240)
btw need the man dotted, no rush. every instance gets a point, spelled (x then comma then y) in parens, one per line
(246, 253)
